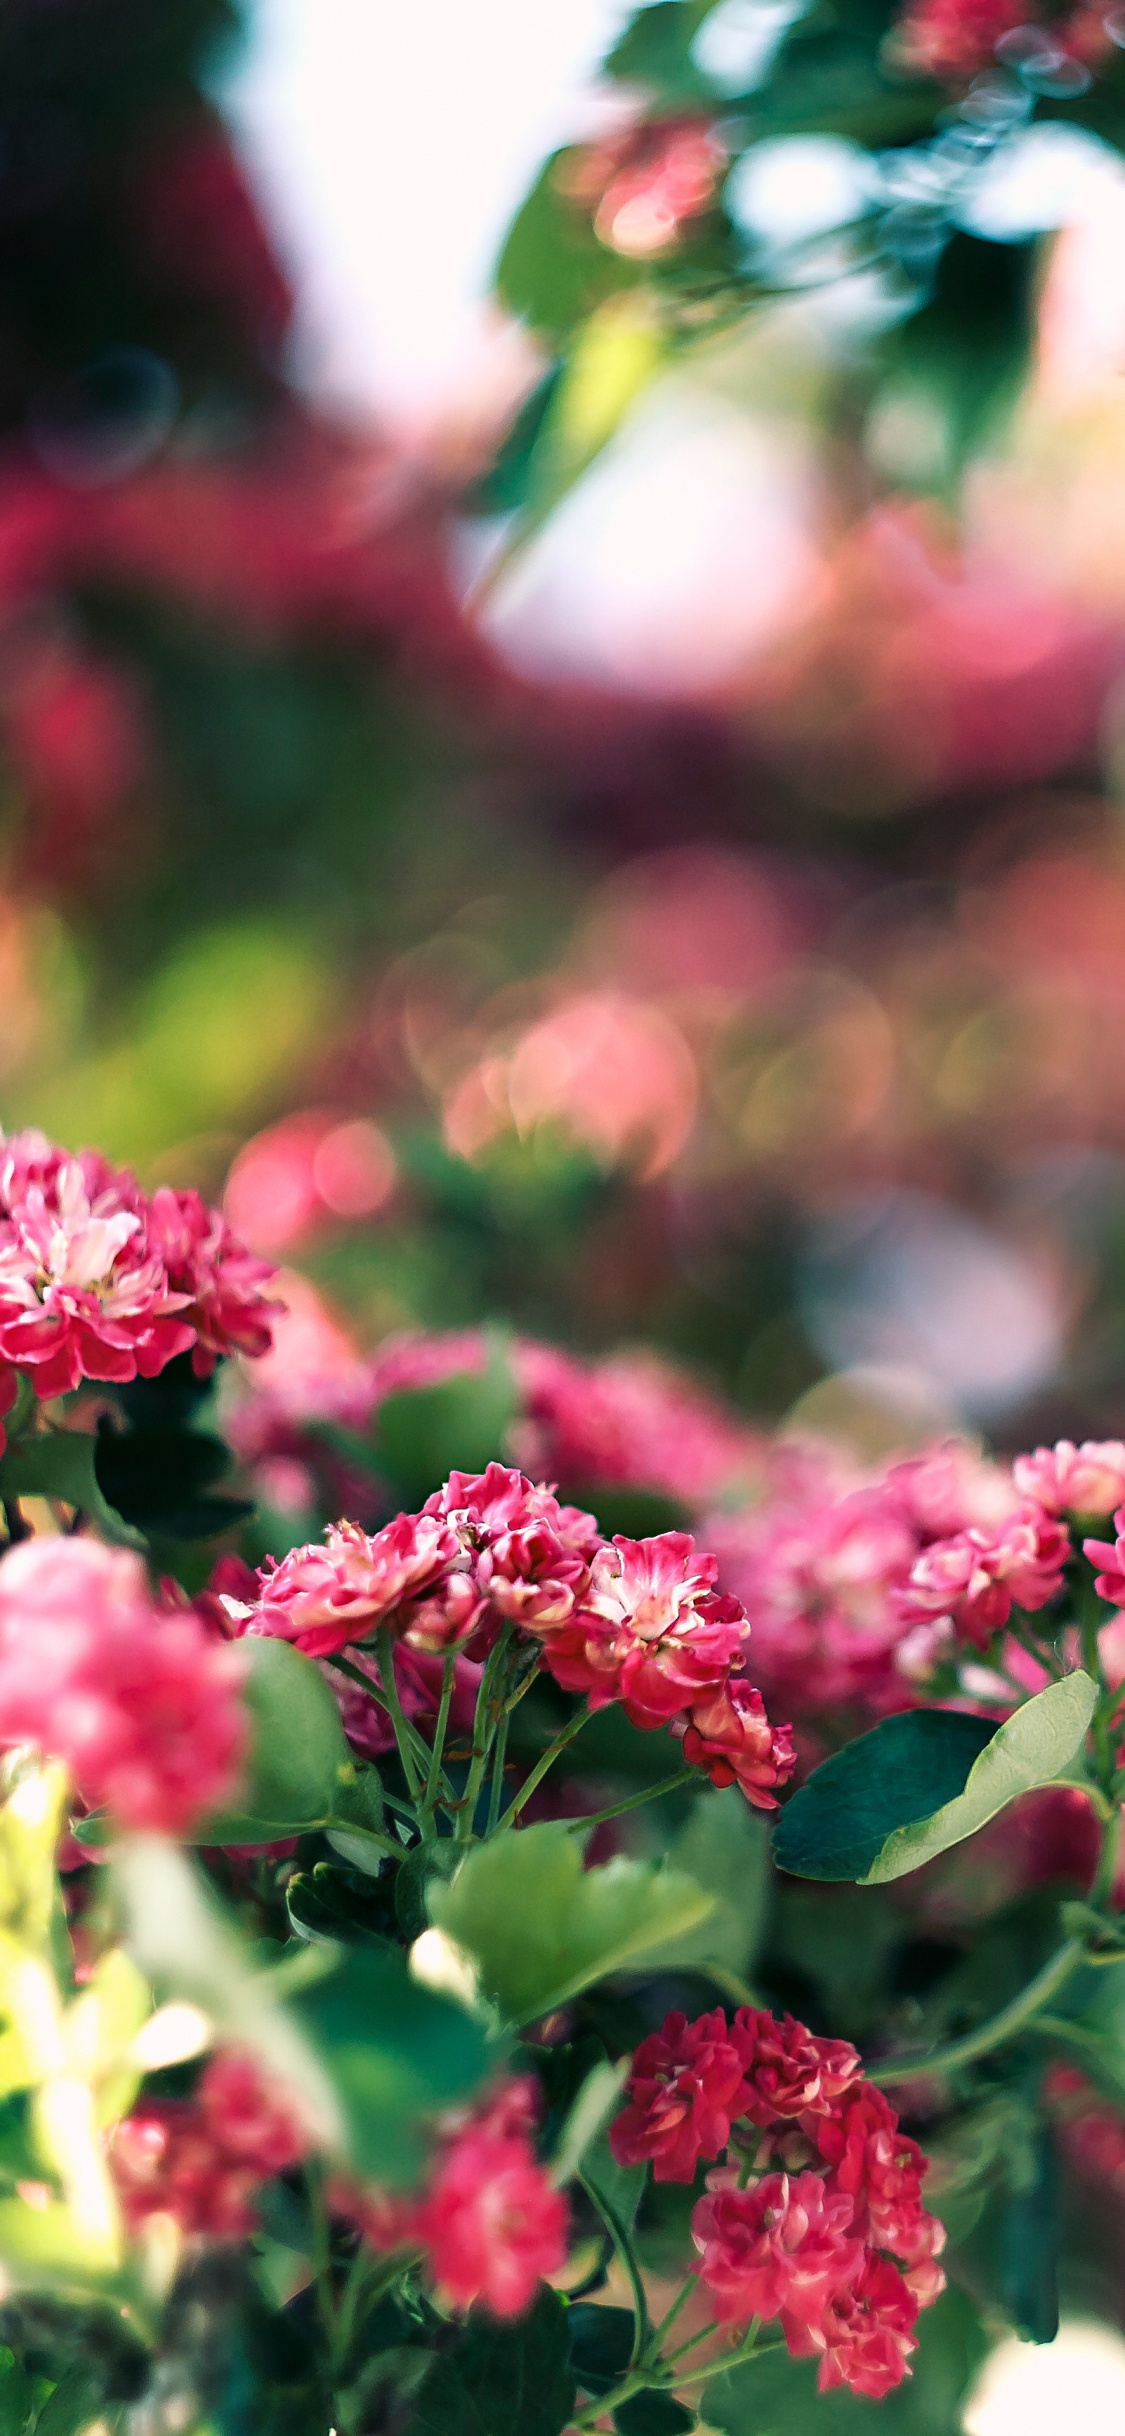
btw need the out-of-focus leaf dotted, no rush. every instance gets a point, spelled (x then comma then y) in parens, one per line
(396, 2054)
(918, 1783)
(62, 1464)
(160, 1480)
(596, 2101)
(297, 1749)
(725, 1848)
(72, 2405)
(507, 482)
(961, 359)
(19, 2393)
(553, 270)
(540, 1927)
(652, 2414)
(1030, 2234)
(622, 2185)
(655, 51)
(458, 1426)
(620, 1508)
(507, 2379)
(601, 2345)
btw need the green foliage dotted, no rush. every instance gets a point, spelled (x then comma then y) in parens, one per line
(553, 270)
(458, 1426)
(501, 2379)
(918, 1783)
(540, 1927)
(395, 2054)
(297, 1750)
(655, 51)
(162, 1481)
(62, 1464)
(652, 2414)
(724, 1846)
(601, 2345)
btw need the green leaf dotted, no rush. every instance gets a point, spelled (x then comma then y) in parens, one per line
(595, 2103)
(458, 1426)
(652, 2414)
(160, 1480)
(622, 2185)
(1030, 2236)
(777, 2396)
(297, 1750)
(601, 2345)
(553, 271)
(725, 1848)
(918, 1783)
(501, 2379)
(655, 50)
(18, 2395)
(540, 1927)
(395, 2053)
(73, 2404)
(62, 1464)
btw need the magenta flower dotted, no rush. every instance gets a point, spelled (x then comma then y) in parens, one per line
(685, 2088)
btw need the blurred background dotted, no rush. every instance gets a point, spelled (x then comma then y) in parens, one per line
(562, 711)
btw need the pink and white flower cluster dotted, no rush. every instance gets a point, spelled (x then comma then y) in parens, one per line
(489, 2223)
(99, 1280)
(815, 2216)
(639, 1621)
(141, 1701)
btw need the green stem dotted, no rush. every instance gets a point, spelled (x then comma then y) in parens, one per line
(485, 1723)
(499, 1755)
(531, 1783)
(635, 1801)
(625, 2252)
(1006, 2024)
(385, 1660)
(1106, 1871)
(669, 2319)
(433, 1774)
(711, 2328)
(418, 1746)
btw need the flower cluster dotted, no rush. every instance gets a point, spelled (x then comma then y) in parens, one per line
(489, 2222)
(636, 1621)
(200, 2160)
(647, 183)
(856, 1584)
(140, 1701)
(954, 39)
(101, 1281)
(815, 2217)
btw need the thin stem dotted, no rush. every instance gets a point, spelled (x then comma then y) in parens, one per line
(532, 1783)
(485, 1723)
(669, 2319)
(418, 1745)
(1006, 2024)
(711, 2328)
(385, 1660)
(433, 1776)
(1106, 1870)
(635, 1801)
(624, 2249)
(739, 1990)
(499, 1755)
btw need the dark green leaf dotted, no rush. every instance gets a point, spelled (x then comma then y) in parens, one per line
(508, 481)
(655, 51)
(652, 2414)
(918, 1783)
(634, 1513)
(61, 1464)
(725, 1848)
(501, 2379)
(73, 2404)
(396, 2055)
(601, 2345)
(159, 1480)
(458, 1426)
(18, 2395)
(1029, 2244)
(297, 1749)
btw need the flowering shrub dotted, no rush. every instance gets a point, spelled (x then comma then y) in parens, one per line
(366, 1903)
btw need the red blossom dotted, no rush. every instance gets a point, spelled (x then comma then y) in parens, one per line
(866, 2334)
(977, 1577)
(201, 2159)
(677, 1637)
(685, 2089)
(730, 1735)
(221, 1281)
(788, 2243)
(142, 1703)
(491, 2220)
(1110, 1555)
(882, 2169)
(789, 2074)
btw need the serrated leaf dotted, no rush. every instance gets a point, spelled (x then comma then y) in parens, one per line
(61, 1464)
(297, 1750)
(921, 1782)
(501, 2379)
(540, 1927)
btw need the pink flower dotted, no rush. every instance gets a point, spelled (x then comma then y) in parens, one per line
(219, 1280)
(201, 2159)
(866, 2334)
(676, 1636)
(685, 2088)
(532, 1578)
(882, 2170)
(82, 1294)
(491, 2221)
(977, 1577)
(730, 1735)
(418, 1675)
(631, 1418)
(141, 1703)
(322, 1597)
(789, 2074)
(1069, 1479)
(785, 2245)
(1110, 1555)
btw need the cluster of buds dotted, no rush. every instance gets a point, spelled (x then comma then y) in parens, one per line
(635, 1621)
(489, 2223)
(814, 2215)
(99, 1280)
